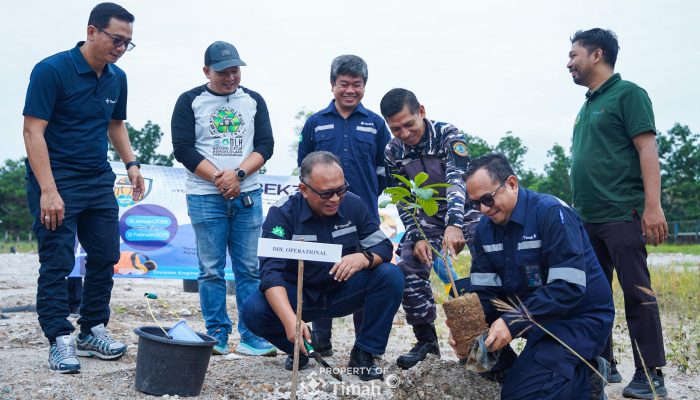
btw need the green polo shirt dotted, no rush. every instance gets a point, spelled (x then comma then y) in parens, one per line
(606, 178)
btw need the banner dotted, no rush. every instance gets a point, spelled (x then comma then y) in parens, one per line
(156, 236)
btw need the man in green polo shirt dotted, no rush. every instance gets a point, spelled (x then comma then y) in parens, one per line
(616, 187)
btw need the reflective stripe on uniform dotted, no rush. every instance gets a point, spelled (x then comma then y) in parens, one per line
(344, 231)
(367, 129)
(490, 248)
(306, 238)
(485, 279)
(571, 275)
(324, 127)
(530, 244)
(373, 239)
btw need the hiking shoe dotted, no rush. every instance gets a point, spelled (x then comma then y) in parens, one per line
(614, 376)
(639, 387)
(256, 346)
(362, 364)
(221, 347)
(98, 343)
(62, 356)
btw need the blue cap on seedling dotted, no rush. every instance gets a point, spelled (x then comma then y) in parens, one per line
(150, 296)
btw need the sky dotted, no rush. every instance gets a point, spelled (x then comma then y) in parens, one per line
(487, 67)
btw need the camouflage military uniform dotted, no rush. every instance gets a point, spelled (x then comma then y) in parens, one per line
(442, 154)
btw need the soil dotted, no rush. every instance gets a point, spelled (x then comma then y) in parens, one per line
(25, 375)
(466, 320)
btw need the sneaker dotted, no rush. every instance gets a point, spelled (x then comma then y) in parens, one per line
(62, 356)
(303, 362)
(98, 343)
(256, 346)
(639, 387)
(614, 376)
(221, 347)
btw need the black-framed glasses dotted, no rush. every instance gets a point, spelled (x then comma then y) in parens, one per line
(118, 42)
(486, 199)
(327, 194)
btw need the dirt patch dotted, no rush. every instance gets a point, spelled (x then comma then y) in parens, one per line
(442, 379)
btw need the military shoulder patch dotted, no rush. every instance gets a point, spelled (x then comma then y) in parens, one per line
(278, 230)
(460, 149)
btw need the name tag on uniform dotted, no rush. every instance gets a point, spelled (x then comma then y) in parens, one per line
(295, 250)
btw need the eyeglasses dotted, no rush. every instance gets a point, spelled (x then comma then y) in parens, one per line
(118, 42)
(486, 199)
(327, 194)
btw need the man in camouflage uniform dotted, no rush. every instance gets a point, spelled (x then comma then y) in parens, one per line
(440, 150)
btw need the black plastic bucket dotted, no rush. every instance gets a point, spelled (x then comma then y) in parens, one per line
(167, 366)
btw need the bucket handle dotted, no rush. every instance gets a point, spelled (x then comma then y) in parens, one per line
(154, 296)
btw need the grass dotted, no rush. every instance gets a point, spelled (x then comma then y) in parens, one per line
(22, 246)
(693, 249)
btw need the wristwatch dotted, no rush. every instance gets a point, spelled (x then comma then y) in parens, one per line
(131, 164)
(240, 174)
(370, 257)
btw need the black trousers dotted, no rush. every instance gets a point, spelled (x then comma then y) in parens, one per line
(620, 246)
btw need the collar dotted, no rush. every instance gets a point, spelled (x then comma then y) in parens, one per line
(80, 63)
(332, 110)
(520, 211)
(307, 214)
(616, 77)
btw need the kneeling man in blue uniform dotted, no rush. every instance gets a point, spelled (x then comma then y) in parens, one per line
(324, 211)
(534, 246)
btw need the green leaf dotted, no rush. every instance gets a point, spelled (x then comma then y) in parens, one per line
(402, 179)
(396, 199)
(397, 190)
(430, 207)
(420, 178)
(424, 194)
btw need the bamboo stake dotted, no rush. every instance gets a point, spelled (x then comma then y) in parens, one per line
(297, 336)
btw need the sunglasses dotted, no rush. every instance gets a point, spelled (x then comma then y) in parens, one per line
(118, 42)
(486, 199)
(327, 194)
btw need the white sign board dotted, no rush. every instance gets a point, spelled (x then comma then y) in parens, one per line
(296, 250)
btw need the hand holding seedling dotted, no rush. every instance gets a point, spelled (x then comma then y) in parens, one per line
(499, 335)
(453, 241)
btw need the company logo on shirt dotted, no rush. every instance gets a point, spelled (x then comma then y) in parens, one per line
(227, 126)
(226, 122)
(110, 101)
(602, 110)
(345, 225)
(367, 123)
(530, 237)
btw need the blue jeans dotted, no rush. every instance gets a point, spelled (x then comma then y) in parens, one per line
(377, 292)
(220, 224)
(91, 213)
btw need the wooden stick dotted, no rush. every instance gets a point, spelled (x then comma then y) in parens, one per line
(297, 336)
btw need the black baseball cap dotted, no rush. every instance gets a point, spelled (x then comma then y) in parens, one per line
(221, 55)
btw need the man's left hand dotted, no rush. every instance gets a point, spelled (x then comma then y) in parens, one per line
(137, 183)
(453, 241)
(348, 265)
(499, 335)
(654, 227)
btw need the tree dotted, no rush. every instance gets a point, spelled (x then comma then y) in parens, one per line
(514, 150)
(15, 218)
(556, 180)
(477, 146)
(302, 115)
(679, 153)
(145, 143)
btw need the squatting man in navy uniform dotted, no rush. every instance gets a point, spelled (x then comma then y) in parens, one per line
(324, 211)
(534, 246)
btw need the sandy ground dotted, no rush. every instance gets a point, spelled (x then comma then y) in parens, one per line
(24, 373)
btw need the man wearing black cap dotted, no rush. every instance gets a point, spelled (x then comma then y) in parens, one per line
(222, 135)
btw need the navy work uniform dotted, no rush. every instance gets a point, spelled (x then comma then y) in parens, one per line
(377, 291)
(543, 256)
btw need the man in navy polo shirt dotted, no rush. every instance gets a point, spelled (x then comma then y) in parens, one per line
(76, 100)
(357, 136)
